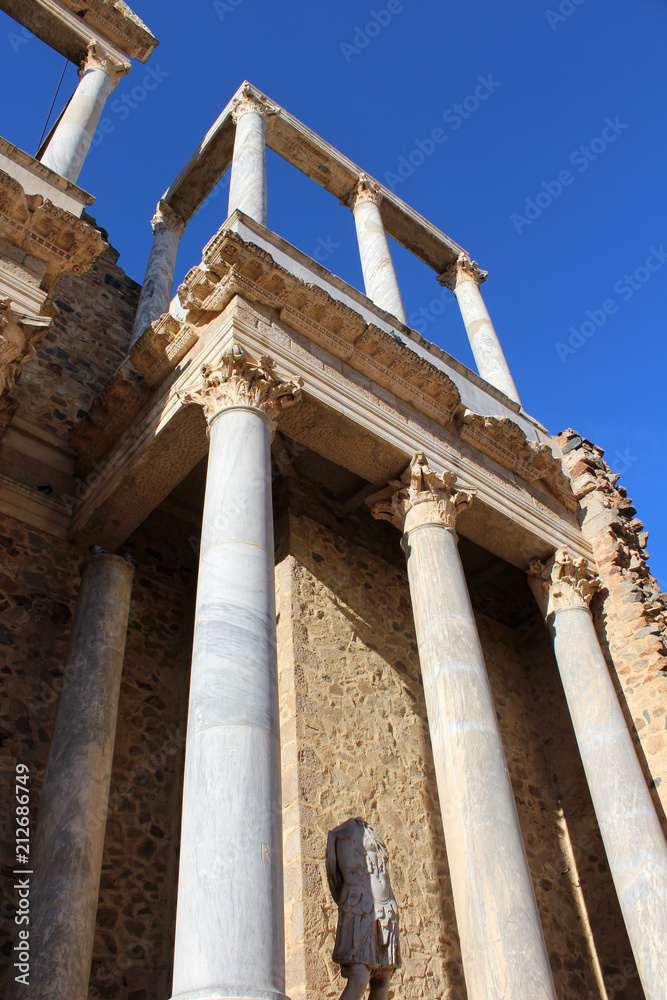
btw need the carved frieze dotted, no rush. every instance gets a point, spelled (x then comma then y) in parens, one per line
(506, 443)
(566, 582)
(157, 353)
(237, 380)
(430, 497)
(49, 233)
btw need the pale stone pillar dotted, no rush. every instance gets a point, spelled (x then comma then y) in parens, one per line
(502, 946)
(99, 74)
(229, 920)
(631, 832)
(247, 187)
(168, 227)
(464, 278)
(66, 855)
(380, 279)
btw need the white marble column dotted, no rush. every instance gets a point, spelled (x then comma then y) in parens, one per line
(66, 855)
(464, 278)
(168, 227)
(229, 920)
(502, 946)
(631, 832)
(247, 187)
(67, 150)
(377, 266)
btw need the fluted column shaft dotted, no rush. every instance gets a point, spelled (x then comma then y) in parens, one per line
(464, 279)
(229, 921)
(634, 843)
(74, 133)
(67, 853)
(502, 946)
(380, 279)
(247, 188)
(158, 284)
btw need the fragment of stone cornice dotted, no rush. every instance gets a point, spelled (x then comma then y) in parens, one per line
(165, 342)
(69, 25)
(506, 443)
(245, 269)
(48, 233)
(36, 178)
(110, 414)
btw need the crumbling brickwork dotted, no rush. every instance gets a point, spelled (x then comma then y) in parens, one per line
(630, 613)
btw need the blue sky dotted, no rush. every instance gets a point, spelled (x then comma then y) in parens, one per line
(549, 168)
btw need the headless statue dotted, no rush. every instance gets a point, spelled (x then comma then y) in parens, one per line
(367, 947)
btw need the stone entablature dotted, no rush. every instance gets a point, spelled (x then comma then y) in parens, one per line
(232, 266)
(36, 178)
(70, 25)
(166, 342)
(48, 233)
(504, 441)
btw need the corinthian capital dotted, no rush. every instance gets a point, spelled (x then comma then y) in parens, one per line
(97, 57)
(250, 102)
(237, 381)
(420, 496)
(167, 217)
(366, 189)
(566, 582)
(464, 269)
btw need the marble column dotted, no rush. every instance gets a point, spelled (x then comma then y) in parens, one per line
(502, 946)
(377, 266)
(229, 920)
(69, 144)
(247, 187)
(631, 832)
(66, 856)
(464, 278)
(155, 298)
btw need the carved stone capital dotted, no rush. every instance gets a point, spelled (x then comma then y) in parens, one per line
(366, 190)
(464, 269)
(238, 381)
(249, 102)
(566, 582)
(97, 57)
(420, 496)
(166, 217)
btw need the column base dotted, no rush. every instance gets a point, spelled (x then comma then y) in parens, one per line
(231, 993)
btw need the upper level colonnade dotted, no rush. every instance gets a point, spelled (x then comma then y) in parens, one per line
(238, 138)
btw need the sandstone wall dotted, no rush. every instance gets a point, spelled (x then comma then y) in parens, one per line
(355, 742)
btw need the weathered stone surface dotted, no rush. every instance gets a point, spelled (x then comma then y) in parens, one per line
(630, 613)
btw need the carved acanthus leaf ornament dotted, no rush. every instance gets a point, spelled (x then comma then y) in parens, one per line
(236, 380)
(567, 582)
(463, 269)
(420, 496)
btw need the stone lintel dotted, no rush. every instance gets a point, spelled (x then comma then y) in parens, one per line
(69, 26)
(341, 417)
(310, 154)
